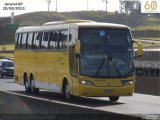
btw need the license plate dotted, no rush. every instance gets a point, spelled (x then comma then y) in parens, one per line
(108, 91)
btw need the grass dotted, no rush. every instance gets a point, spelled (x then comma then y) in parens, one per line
(148, 45)
(7, 47)
(146, 38)
(153, 27)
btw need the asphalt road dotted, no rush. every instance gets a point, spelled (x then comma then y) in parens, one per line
(138, 104)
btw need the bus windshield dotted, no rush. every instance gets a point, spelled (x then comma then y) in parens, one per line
(106, 52)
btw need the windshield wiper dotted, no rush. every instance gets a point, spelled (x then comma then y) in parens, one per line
(116, 68)
(100, 66)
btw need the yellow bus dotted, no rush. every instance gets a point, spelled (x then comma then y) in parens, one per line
(76, 58)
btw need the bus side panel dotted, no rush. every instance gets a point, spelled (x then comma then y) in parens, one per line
(22, 62)
(42, 65)
(62, 68)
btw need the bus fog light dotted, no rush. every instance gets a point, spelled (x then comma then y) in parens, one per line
(86, 82)
(127, 82)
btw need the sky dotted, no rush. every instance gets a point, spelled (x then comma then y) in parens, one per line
(62, 6)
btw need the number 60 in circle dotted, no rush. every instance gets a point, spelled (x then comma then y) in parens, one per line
(152, 5)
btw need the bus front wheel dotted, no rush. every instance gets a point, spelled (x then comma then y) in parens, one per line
(66, 91)
(114, 98)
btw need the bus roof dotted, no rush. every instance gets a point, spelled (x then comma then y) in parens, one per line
(66, 24)
(101, 24)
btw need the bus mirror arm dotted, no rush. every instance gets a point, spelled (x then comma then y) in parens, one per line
(139, 49)
(77, 47)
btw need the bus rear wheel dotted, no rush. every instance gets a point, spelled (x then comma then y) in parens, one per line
(113, 98)
(27, 86)
(1, 76)
(34, 90)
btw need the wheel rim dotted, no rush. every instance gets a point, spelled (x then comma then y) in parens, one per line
(67, 93)
(26, 85)
(32, 86)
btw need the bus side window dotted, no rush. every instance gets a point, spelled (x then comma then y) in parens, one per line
(44, 44)
(29, 43)
(62, 44)
(37, 40)
(24, 39)
(39, 37)
(53, 38)
(17, 39)
(32, 45)
(20, 40)
(34, 41)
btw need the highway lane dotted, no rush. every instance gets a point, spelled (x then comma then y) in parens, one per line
(138, 104)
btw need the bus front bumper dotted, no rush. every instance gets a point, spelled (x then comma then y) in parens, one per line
(92, 91)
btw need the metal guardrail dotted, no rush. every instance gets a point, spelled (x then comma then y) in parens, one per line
(149, 64)
(7, 51)
(147, 72)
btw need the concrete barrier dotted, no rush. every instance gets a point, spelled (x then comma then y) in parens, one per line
(147, 85)
(12, 103)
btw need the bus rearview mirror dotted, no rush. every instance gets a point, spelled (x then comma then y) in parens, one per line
(139, 49)
(77, 47)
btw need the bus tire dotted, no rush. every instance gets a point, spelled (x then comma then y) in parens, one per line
(26, 84)
(113, 98)
(1, 76)
(66, 91)
(34, 90)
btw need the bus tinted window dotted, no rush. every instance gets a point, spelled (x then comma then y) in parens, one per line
(62, 44)
(24, 39)
(37, 40)
(29, 43)
(45, 39)
(39, 37)
(53, 39)
(17, 38)
(19, 41)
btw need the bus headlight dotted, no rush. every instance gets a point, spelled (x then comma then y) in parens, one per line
(86, 82)
(127, 82)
